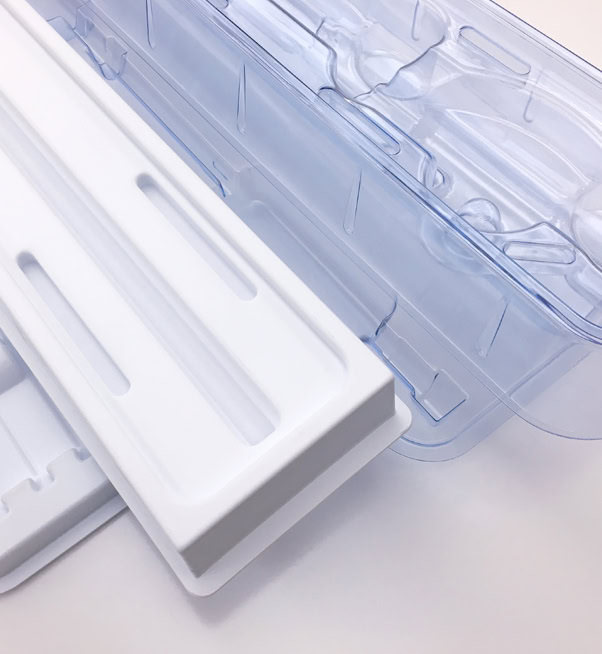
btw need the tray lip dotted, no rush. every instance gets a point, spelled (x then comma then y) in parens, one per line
(317, 491)
(62, 544)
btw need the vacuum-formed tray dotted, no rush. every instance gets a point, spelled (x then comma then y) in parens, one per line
(221, 397)
(428, 168)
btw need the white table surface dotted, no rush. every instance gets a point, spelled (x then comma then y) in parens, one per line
(499, 551)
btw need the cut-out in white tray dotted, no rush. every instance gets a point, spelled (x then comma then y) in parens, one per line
(219, 395)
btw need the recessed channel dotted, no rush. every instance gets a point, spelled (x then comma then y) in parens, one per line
(238, 283)
(494, 51)
(82, 337)
(553, 253)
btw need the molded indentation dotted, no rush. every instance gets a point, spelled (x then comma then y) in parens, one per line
(150, 23)
(352, 204)
(20, 495)
(226, 270)
(106, 51)
(442, 183)
(434, 390)
(552, 253)
(531, 104)
(482, 214)
(492, 328)
(63, 465)
(241, 107)
(442, 397)
(84, 339)
(15, 463)
(416, 20)
(493, 51)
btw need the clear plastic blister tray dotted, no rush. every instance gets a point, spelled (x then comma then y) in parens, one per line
(430, 169)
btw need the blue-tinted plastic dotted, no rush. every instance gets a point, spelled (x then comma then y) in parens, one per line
(430, 169)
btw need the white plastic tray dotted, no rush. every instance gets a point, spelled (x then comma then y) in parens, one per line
(219, 395)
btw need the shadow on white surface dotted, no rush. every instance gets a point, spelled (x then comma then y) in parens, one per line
(498, 551)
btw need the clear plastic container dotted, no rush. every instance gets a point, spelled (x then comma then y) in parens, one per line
(430, 169)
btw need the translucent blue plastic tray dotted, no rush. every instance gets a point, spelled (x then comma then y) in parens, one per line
(430, 169)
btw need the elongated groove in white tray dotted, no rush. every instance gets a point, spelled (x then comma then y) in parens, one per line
(218, 389)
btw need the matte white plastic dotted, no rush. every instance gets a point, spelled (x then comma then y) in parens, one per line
(52, 492)
(220, 396)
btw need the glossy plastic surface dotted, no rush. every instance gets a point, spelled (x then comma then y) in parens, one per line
(430, 169)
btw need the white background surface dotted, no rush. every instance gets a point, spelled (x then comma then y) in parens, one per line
(499, 551)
